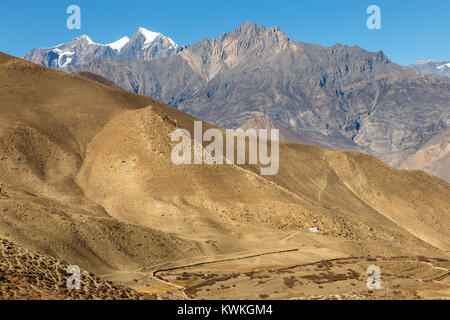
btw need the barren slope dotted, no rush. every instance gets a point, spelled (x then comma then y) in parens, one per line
(25, 274)
(46, 121)
(433, 157)
(87, 177)
(128, 170)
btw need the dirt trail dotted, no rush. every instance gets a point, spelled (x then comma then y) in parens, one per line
(154, 273)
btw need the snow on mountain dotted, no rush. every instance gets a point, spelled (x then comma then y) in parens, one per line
(65, 57)
(447, 65)
(432, 67)
(147, 45)
(144, 45)
(150, 36)
(119, 44)
(89, 40)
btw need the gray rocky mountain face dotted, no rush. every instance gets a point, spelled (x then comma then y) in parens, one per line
(144, 45)
(432, 67)
(78, 51)
(340, 97)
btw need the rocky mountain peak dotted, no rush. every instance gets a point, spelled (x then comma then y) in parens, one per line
(250, 32)
(145, 45)
(247, 42)
(84, 39)
(432, 67)
(146, 36)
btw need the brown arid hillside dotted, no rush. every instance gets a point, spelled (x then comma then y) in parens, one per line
(87, 178)
(47, 120)
(433, 157)
(25, 274)
(96, 77)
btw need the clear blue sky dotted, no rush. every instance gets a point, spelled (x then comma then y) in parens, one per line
(411, 29)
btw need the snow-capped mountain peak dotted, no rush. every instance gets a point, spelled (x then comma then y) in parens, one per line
(144, 45)
(149, 36)
(86, 38)
(119, 44)
(148, 45)
(432, 67)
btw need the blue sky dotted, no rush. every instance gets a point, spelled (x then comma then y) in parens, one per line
(411, 30)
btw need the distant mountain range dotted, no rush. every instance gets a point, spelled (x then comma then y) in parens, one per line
(432, 67)
(337, 97)
(145, 45)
